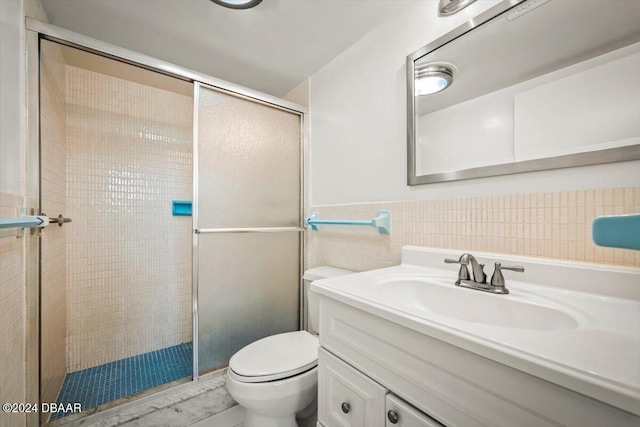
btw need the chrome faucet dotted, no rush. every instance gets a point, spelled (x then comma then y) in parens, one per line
(498, 279)
(476, 267)
(479, 282)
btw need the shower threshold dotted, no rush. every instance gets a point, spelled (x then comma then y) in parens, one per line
(105, 386)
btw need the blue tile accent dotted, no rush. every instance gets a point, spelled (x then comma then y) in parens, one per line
(105, 383)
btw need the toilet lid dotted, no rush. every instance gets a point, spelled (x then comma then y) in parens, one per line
(275, 357)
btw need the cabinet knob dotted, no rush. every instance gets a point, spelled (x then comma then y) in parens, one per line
(393, 417)
(346, 407)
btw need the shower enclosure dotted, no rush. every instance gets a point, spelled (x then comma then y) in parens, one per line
(136, 296)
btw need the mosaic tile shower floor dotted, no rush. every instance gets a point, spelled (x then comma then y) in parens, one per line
(105, 383)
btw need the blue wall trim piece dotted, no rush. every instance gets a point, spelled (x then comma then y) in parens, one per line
(181, 208)
(382, 222)
(618, 231)
(22, 222)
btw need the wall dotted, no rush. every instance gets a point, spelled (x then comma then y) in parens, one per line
(358, 124)
(358, 166)
(12, 314)
(550, 225)
(12, 90)
(299, 94)
(128, 259)
(53, 297)
(12, 274)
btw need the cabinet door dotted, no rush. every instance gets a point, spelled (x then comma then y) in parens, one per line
(401, 414)
(347, 398)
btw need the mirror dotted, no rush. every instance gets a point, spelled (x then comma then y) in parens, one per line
(526, 86)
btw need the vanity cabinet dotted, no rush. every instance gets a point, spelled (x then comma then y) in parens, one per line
(366, 360)
(348, 398)
(401, 414)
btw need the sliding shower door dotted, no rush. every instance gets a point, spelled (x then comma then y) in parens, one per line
(247, 217)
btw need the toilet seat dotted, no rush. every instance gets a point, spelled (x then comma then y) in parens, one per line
(275, 357)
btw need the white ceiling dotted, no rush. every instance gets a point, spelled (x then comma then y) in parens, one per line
(272, 47)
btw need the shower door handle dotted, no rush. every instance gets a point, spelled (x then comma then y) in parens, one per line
(59, 220)
(247, 230)
(33, 221)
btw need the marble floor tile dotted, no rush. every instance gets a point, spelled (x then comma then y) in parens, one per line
(185, 407)
(232, 417)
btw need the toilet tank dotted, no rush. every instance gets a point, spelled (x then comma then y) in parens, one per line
(310, 300)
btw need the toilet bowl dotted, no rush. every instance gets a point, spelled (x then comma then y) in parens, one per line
(276, 378)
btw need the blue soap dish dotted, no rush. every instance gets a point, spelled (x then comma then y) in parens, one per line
(181, 208)
(617, 231)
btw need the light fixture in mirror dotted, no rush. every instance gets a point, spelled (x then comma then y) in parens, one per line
(238, 4)
(433, 78)
(539, 85)
(449, 7)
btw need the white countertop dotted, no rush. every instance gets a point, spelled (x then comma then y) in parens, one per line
(598, 354)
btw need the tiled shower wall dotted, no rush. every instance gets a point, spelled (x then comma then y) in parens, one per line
(12, 312)
(129, 259)
(53, 330)
(550, 225)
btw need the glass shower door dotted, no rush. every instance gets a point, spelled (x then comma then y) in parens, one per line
(247, 215)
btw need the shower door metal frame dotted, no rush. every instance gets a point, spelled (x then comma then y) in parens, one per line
(35, 31)
(32, 292)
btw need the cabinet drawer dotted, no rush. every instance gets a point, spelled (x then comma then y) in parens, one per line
(347, 398)
(402, 414)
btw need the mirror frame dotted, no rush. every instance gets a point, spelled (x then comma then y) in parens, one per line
(609, 155)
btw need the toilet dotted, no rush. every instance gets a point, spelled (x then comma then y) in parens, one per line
(276, 378)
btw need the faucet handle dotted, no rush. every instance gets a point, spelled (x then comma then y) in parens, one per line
(463, 273)
(498, 279)
(517, 268)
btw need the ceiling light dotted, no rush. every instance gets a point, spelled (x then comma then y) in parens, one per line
(433, 78)
(238, 4)
(449, 7)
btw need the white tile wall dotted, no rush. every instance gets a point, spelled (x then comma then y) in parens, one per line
(129, 259)
(551, 225)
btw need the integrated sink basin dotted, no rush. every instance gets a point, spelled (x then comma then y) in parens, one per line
(433, 295)
(571, 324)
(562, 345)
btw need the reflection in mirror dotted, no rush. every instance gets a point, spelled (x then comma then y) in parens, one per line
(554, 80)
(449, 7)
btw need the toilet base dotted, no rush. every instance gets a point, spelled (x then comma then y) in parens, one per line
(308, 417)
(275, 403)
